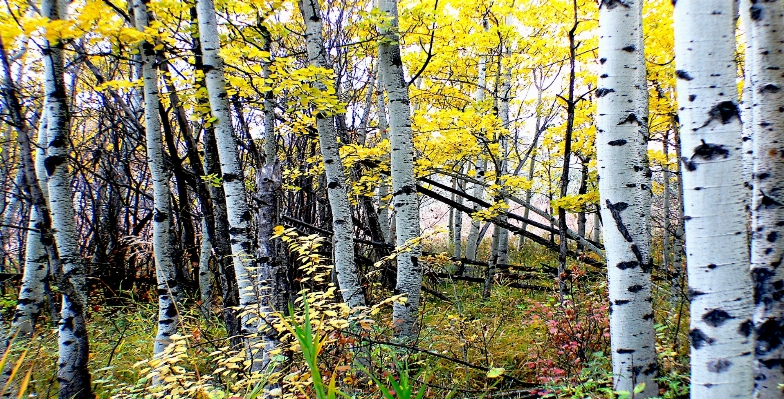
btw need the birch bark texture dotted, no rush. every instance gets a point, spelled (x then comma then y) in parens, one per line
(767, 205)
(342, 222)
(205, 275)
(472, 242)
(73, 374)
(383, 189)
(404, 193)
(713, 195)
(746, 113)
(618, 144)
(167, 285)
(233, 182)
(36, 269)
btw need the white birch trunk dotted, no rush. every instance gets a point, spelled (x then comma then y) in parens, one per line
(457, 237)
(643, 171)
(713, 194)
(597, 228)
(472, 243)
(233, 185)
(503, 111)
(746, 114)
(767, 206)
(271, 296)
(619, 146)
(73, 375)
(205, 275)
(383, 190)
(168, 287)
(342, 223)
(270, 139)
(409, 271)
(31, 292)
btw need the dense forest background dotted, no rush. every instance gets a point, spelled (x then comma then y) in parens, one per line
(373, 199)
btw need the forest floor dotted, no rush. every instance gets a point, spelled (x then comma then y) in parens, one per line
(518, 343)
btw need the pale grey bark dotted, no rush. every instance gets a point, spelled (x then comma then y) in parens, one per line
(73, 375)
(472, 243)
(767, 205)
(718, 256)
(597, 228)
(383, 189)
(270, 139)
(532, 158)
(503, 112)
(31, 293)
(678, 232)
(666, 247)
(342, 222)
(746, 114)
(271, 272)
(205, 275)
(457, 233)
(643, 171)
(168, 288)
(619, 153)
(409, 271)
(233, 184)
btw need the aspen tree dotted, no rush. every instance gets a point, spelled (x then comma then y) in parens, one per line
(746, 114)
(342, 223)
(619, 146)
(404, 192)
(73, 375)
(713, 194)
(205, 275)
(766, 23)
(168, 286)
(31, 293)
(253, 314)
(472, 242)
(383, 189)
(29, 178)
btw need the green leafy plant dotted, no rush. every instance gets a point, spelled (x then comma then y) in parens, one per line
(311, 344)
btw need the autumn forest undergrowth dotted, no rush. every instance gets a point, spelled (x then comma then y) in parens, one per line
(519, 343)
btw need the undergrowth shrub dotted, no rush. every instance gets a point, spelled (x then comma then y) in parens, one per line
(573, 331)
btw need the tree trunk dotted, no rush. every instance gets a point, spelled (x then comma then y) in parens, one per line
(457, 237)
(409, 271)
(169, 291)
(36, 269)
(570, 109)
(233, 184)
(581, 216)
(342, 222)
(472, 244)
(718, 255)
(746, 113)
(532, 166)
(215, 209)
(503, 112)
(383, 189)
(270, 139)
(205, 275)
(666, 214)
(767, 207)
(678, 235)
(73, 375)
(271, 272)
(597, 227)
(619, 148)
